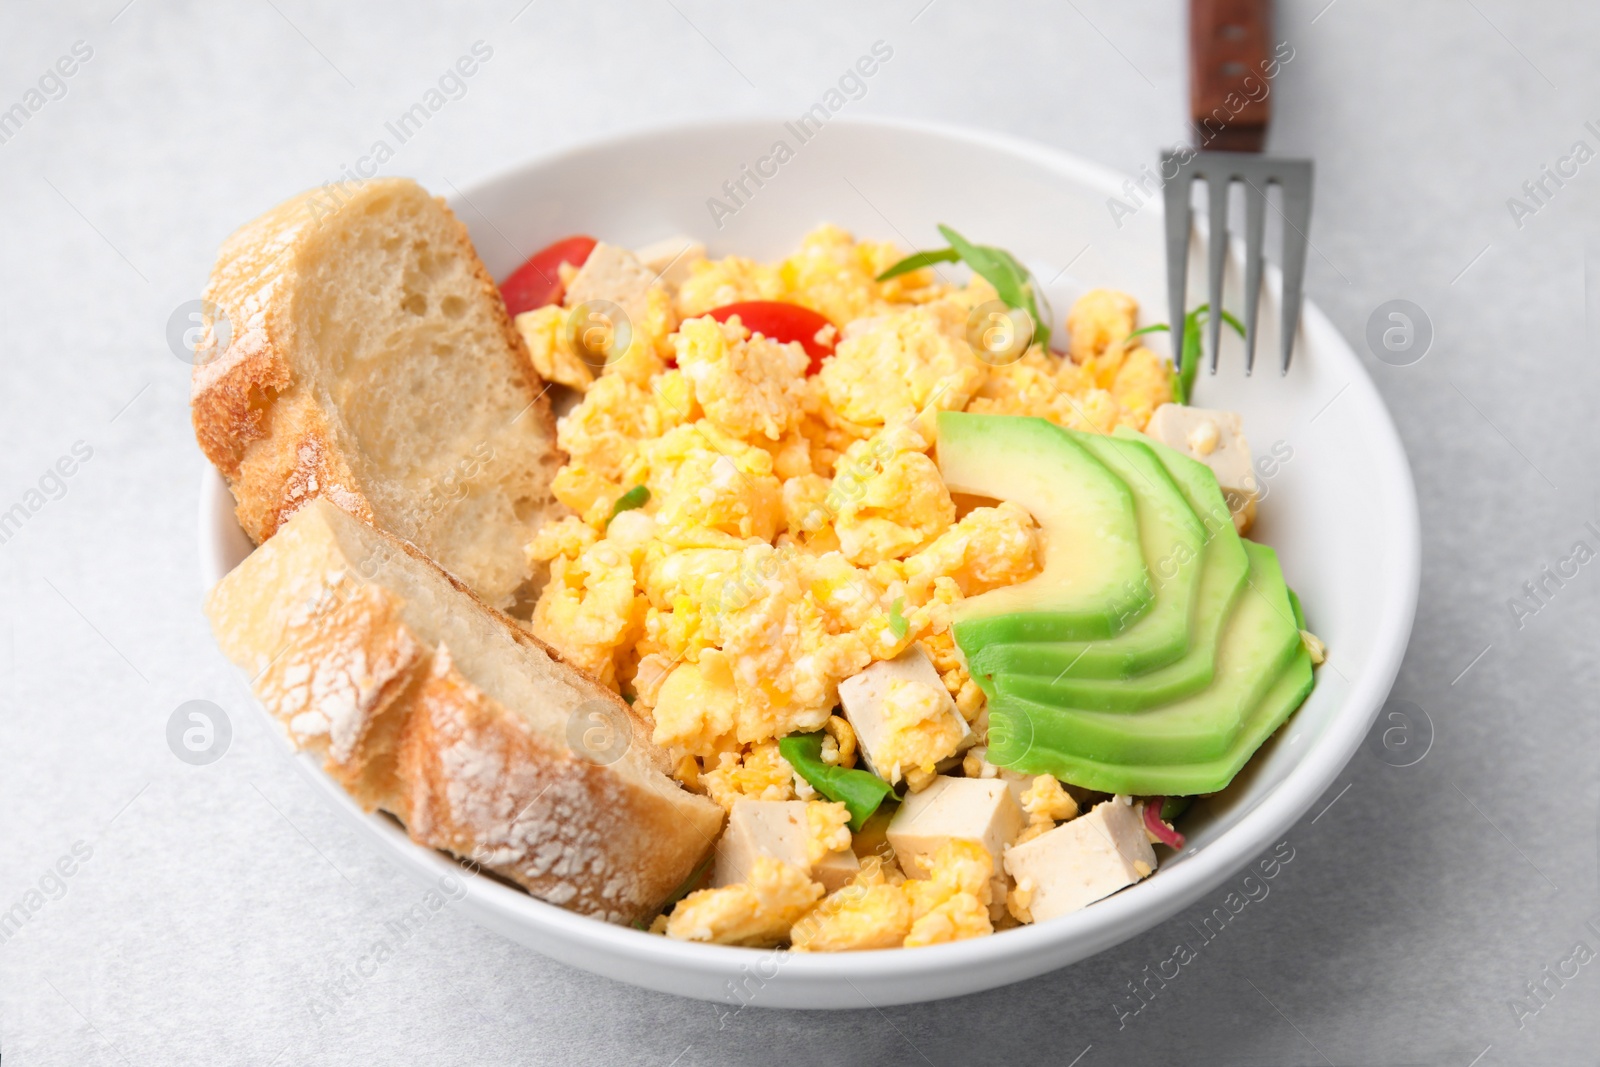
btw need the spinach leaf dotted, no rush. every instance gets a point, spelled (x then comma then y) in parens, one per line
(860, 791)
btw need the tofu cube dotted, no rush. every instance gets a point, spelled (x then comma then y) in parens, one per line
(1215, 438)
(1081, 861)
(775, 828)
(882, 745)
(671, 259)
(613, 274)
(963, 809)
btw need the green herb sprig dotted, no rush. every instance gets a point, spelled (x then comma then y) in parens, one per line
(637, 497)
(898, 623)
(1189, 365)
(1012, 282)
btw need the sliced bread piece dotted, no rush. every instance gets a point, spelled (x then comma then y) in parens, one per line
(427, 703)
(370, 360)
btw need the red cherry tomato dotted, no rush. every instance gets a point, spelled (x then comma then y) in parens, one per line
(538, 281)
(782, 322)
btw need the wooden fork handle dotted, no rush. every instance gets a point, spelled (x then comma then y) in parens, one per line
(1230, 53)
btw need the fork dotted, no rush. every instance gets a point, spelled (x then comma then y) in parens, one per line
(1220, 170)
(1228, 40)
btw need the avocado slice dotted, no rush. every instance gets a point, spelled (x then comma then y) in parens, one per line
(1142, 649)
(1281, 701)
(1193, 745)
(1285, 696)
(1256, 647)
(1094, 581)
(1299, 612)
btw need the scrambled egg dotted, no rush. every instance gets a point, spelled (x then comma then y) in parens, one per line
(562, 355)
(758, 774)
(748, 387)
(796, 530)
(832, 274)
(871, 912)
(890, 498)
(952, 903)
(881, 908)
(757, 912)
(1047, 799)
(987, 549)
(590, 597)
(907, 365)
(1099, 319)
(827, 829)
(1047, 803)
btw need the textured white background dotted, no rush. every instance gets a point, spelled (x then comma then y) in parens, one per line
(220, 900)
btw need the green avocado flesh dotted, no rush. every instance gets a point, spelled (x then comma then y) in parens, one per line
(1142, 647)
(1257, 647)
(1288, 692)
(1094, 580)
(1192, 745)
(1170, 698)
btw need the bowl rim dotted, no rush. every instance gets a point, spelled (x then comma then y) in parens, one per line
(1111, 920)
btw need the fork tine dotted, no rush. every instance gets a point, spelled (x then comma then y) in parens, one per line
(1175, 198)
(1294, 176)
(1255, 235)
(1217, 184)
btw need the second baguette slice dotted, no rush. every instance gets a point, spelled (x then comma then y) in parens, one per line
(427, 703)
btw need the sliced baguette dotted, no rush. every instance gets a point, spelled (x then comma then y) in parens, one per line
(429, 704)
(370, 360)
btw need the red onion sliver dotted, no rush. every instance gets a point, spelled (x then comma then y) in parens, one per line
(1152, 822)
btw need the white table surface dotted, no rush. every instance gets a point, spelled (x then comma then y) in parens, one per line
(218, 903)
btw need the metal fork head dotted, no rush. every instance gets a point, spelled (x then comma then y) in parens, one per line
(1179, 169)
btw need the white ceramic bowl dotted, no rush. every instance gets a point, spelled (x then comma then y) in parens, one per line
(1341, 509)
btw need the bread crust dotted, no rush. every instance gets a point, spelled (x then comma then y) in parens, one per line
(403, 729)
(480, 783)
(256, 419)
(342, 688)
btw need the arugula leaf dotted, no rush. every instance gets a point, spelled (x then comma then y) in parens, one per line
(897, 620)
(984, 262)
(637, 497)
(918, 260)
(860, 791)
(1183, 384)
(1012, 282)
(1159, 327)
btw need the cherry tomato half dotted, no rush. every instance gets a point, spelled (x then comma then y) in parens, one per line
(782, 322)
(538, 281)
